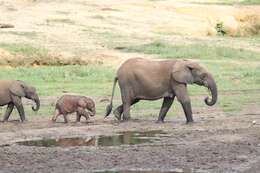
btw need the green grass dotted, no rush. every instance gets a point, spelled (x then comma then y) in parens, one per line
(90, 80)
(194, 51)
(30, 35)
(28, 55)
(23, 49)
(234, 70)
(250, 2)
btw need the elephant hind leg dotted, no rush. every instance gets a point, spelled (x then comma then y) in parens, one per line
(8, 112)
(167, 102)
(126, 109)
(119, 110)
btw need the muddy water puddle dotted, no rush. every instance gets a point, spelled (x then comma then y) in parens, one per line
(123, 138)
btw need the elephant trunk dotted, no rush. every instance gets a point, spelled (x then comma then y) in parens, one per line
(93, 112)
(37, 102)
(211, 84)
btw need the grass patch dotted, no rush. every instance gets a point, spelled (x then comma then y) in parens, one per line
(23, 49)
(27, 55)
(31, 35)
(89, 79)
(250, 2)
(233, 69)
(193, 51)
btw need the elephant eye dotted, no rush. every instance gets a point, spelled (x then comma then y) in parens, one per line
(204, 75)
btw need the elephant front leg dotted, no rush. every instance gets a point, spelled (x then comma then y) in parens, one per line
(19, 106)
(8, 112)
(183, 97)
(187, 110)
(82, 112)
(167, 102)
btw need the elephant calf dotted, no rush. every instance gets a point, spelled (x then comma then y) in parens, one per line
(11, 92)
(68, 104)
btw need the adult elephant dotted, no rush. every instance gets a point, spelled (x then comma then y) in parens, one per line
(11, 92)
(143, 79)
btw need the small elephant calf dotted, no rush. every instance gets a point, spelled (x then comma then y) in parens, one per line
(68, 104)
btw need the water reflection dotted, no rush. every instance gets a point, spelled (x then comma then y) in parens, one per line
(124, 138)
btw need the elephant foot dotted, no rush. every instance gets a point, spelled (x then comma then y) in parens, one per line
(24, 120)
(159, 121)
(190, 122)
(126, 119)
(4, 121)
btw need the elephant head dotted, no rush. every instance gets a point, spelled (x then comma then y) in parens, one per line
(21, 89)
(88, 103)
(91, 107)
(189, 72)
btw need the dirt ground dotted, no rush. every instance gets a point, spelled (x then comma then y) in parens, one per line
(216, 142)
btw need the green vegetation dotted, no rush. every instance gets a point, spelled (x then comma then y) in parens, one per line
(23, 49)
(235, 70)
(194, 51)
(24, 34)
(250, 2)
(27, 55)
(92, 80)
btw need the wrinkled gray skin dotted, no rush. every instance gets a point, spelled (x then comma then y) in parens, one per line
(11, 93)
(68, 104)
(143, 79)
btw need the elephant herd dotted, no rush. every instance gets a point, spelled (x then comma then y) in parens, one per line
(138, 79)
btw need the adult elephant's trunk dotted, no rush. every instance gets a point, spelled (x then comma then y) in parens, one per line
(211, 84)
(37, 102)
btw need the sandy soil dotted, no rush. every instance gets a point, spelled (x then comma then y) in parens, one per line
(216, 142)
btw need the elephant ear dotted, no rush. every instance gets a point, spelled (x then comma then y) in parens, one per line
(182, 72)
(82, 103)
(17, 89)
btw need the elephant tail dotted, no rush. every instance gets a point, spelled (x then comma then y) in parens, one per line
(110, 106)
